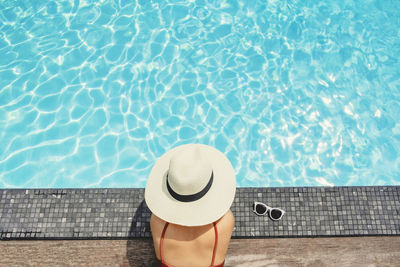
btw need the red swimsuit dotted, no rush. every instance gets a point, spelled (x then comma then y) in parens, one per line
(164, 264)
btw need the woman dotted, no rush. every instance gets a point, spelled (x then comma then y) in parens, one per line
(189, 191)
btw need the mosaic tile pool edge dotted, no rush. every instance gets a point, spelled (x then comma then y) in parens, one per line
(122, 213)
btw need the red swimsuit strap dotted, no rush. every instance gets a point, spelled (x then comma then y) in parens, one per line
(215, 244)
(162, 241)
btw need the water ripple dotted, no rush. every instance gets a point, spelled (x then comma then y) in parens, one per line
(294, 93)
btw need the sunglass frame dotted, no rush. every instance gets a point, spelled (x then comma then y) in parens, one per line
(268, 210)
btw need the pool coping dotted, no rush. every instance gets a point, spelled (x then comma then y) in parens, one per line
(121, 213)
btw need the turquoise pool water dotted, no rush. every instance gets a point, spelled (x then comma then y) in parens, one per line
(296, 93)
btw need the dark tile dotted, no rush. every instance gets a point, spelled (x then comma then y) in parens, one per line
(122, 213)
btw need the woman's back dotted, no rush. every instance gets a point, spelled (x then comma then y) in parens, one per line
(192, 246)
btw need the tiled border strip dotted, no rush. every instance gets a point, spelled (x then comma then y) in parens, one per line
(122, 213)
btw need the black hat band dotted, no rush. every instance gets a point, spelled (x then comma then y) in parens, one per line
(193, 197)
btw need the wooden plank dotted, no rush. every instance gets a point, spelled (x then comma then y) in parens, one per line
(343, 251)
(346, 251)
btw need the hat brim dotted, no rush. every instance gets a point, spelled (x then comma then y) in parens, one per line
(209, 208)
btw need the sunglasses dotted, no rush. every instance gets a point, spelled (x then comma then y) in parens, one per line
(262, 209)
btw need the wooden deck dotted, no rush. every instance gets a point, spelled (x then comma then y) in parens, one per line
(343, 251)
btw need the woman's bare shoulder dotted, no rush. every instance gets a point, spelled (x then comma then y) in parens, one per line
(156, 223)
(227, 221)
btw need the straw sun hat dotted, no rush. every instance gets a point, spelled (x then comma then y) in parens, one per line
(191, 185)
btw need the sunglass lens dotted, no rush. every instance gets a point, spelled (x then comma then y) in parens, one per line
(260, 209)
(276, 214)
